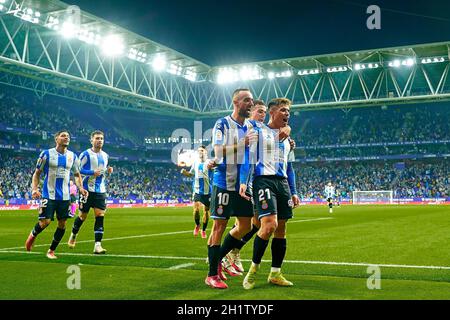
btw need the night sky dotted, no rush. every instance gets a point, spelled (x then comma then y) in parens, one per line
(231, 31)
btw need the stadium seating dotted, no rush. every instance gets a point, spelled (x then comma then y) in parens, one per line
(326, 142)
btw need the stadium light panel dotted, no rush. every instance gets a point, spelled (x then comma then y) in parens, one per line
(112, 45)
(52, 23)
(405, 62)
(190, 75)
(175, 70)
(283, 74)
(337, 69)
(362, 66)
(432, 60)
(159, 63)
(1, 7)
(137, 55)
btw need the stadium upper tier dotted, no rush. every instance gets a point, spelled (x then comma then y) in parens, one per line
(55, 49)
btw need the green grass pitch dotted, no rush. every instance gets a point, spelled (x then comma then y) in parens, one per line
(153, 255)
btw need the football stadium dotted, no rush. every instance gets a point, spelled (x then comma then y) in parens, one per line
(126, 141)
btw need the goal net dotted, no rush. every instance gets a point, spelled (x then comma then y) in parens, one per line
(373, 197)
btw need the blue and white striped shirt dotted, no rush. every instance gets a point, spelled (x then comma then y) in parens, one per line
(228, 132)
(202, 183)
(270, 157)
(329, 191)
(91, 161)
(57, 168)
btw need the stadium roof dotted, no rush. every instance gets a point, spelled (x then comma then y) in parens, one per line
(42, 53)
(59, 9)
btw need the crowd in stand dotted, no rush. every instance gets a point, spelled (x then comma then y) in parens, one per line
(134, 180)
(416, 179)
(39, 117)
(366, 125)
(315, 128)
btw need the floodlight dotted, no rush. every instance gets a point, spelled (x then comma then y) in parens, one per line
(227, 75)
(68, 29)
(408, 62)
(112, 45)
(271, 75)
(159, 63)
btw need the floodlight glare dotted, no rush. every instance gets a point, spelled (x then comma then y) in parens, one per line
(68, 30)
(408, 62)
(227, 75)
(271, 75)
(249, 73)
(112, 45)
(159, 63)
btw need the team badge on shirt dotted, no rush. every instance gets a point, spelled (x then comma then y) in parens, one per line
(219, 210)
(264, 205)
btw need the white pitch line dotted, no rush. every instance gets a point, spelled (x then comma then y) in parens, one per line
(181, 266)
(110, 239)
(363, 264)
(307, 220)
(138, 236)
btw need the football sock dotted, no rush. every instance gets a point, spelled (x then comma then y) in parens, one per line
(248, 236)
(229, 243)
(197, 217)
(77, 225)
(214, 259)
(259, 247)
(98, 228)
(37, 229)
(205, 219)
(278, 248)
(59, 233)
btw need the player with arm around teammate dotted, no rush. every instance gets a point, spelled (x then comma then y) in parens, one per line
(274, 193)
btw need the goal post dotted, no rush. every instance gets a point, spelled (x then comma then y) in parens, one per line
(373, 197)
